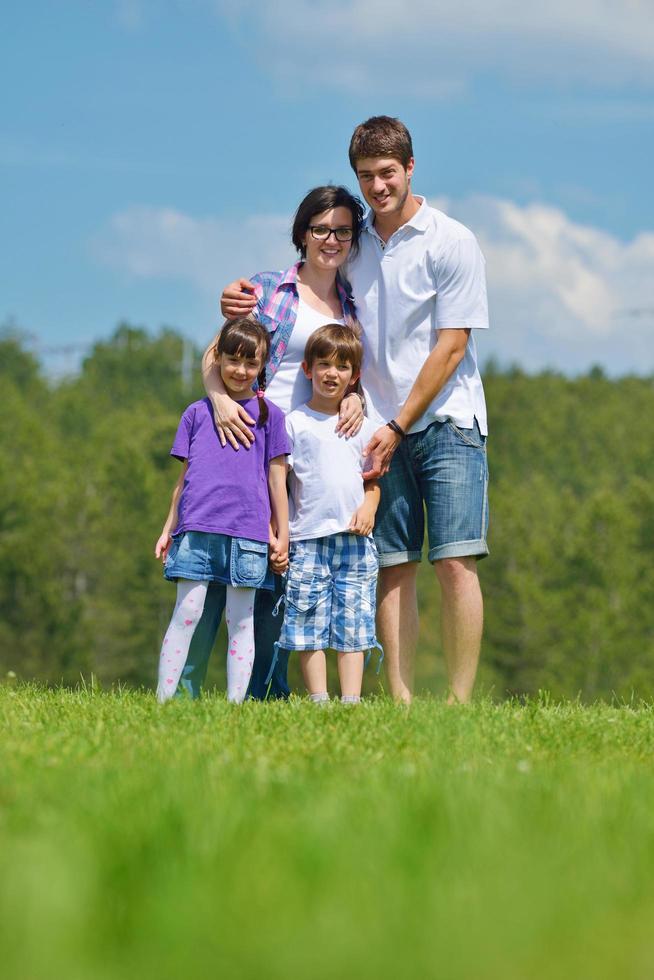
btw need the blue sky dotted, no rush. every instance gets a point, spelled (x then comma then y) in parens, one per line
(151, 151)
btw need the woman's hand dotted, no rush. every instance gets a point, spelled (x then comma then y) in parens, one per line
(232, 421)
(162, 547)
(350, 415)
(238, 298)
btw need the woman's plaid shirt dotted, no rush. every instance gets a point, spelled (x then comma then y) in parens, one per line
(277, 304)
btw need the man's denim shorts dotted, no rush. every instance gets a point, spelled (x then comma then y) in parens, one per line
(330, 594)
(441, 473)
(204, 557)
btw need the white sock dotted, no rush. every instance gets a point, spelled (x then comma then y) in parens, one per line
(174, 650)
(239, 615)
(321, 698)
(350, 699)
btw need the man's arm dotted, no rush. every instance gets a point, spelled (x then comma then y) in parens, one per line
(460, 305)
(440, 365)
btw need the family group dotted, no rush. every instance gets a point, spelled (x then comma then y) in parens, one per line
(344, 410)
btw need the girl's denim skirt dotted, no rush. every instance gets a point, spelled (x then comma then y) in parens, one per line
(204, 557)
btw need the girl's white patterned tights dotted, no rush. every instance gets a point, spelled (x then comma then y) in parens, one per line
(186, 616)
(174, 650)
(239, 615)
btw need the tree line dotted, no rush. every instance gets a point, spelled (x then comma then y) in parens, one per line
(85, 480)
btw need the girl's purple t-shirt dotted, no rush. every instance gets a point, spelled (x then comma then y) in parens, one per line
(225, 491)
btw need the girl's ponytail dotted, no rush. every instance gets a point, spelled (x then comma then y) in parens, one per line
(263, 404)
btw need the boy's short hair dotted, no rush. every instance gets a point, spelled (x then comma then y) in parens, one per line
(333, 340)
(381, 136)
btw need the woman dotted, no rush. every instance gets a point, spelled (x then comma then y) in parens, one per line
(291, 305)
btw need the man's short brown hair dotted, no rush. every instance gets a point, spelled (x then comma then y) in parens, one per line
(381, 136)
(333, 340)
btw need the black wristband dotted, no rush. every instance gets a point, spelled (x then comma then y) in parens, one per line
(396, 428)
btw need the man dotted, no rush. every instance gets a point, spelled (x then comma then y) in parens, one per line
(419, 286)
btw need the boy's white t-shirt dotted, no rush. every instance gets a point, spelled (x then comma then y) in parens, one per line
(325, 480)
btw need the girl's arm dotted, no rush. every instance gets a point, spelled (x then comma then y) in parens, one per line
(162, 546)
(363, 519)
(232, 420)
(279, 511)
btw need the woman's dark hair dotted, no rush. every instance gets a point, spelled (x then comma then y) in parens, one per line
(244, 337)
(322, 199)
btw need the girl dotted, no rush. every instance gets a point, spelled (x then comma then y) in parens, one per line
(226, 509)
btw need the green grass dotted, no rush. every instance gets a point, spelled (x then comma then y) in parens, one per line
(282, 840)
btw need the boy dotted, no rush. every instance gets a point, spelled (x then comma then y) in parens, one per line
(332, 577)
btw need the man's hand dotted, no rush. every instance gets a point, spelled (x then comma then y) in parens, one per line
(350, 415)
(238, 298)
(363, 519)
(232, 421)
(380, 449)
(162, 547)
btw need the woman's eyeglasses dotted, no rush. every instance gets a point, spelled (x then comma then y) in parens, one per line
(321, 233)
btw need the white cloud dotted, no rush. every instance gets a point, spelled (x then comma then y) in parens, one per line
(562, 295)
(162, 243)
(436, 48)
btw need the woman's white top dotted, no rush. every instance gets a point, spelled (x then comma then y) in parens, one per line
(290, 387)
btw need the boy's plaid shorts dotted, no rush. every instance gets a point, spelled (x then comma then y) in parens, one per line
(330, 594)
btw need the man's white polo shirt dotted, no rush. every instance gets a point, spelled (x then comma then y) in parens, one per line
(429, 275)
